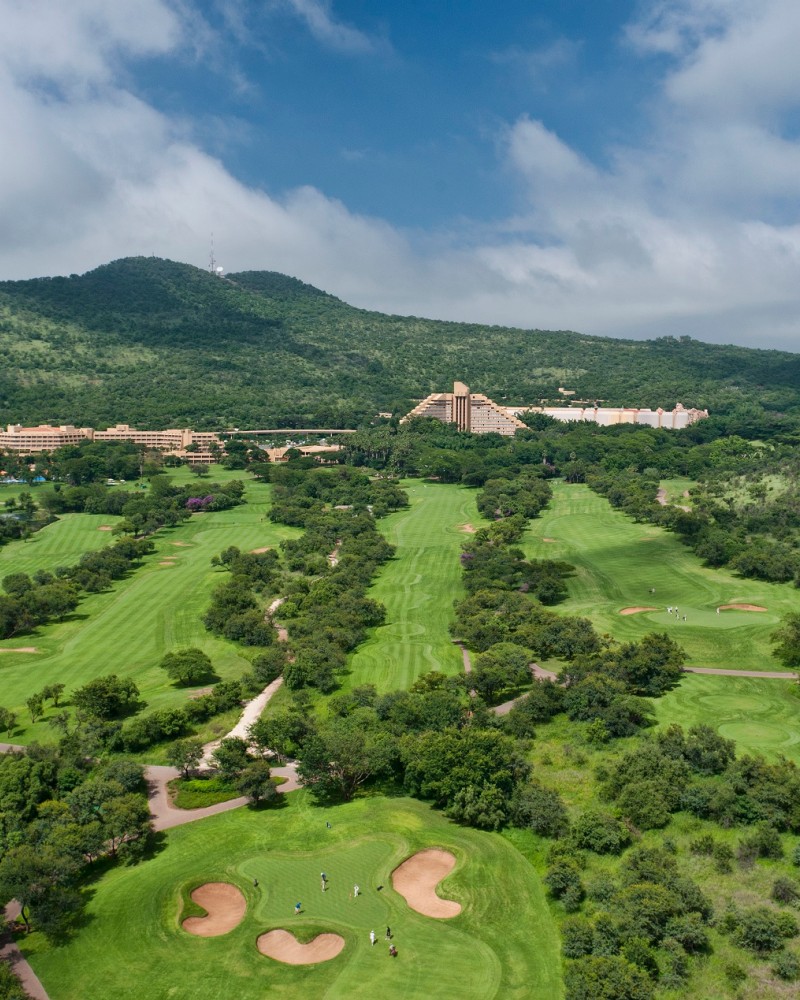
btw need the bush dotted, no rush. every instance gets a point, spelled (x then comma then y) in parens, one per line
(609, 978)
(600, 832)
(762, 930)
(787, 967)
(541, 810)
(784, 891)
(576, 937)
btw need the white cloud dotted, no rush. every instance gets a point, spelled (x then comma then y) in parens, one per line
(688, 233)
(328, 31)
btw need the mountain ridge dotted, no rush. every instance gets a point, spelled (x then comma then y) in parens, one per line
(159, 342)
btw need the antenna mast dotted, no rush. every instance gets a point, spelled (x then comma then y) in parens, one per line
(212, 264)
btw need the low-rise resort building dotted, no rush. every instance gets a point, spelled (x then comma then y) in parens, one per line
(472, 411)
(196, 447)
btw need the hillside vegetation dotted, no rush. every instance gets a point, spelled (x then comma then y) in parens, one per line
(158, 343)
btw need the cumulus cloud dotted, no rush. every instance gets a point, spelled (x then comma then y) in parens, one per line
(692, 231)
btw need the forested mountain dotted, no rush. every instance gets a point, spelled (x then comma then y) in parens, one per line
(158, 343)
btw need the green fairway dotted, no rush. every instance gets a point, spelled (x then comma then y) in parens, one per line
(762, 716)
(617, 563)
(418, 587)
(59, 544)
(503, 945)
(130, 627)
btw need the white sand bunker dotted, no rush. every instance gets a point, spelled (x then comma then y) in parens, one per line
(225, 907)
(636, 610)
(264, 548)
(741, 607)
(21, 649)
(549, 539)
(106, 527)
(284, 947)
(468, 529)
(416, 880)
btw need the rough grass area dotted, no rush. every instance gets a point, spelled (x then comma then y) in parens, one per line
(504, 943)
(618, 562)
(129, 628)
(418, 587)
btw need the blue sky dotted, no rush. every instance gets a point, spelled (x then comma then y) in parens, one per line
(620, 168)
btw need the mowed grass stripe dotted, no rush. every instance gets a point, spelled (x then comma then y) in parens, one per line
(59, 544)
(128, 629)
(418, 588)
(618, 561)
(503, 944)
(762, 716)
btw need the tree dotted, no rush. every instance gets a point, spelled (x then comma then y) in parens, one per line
(540, 809)
(41, 879)
(126, 822)
(185, 755)
(8, 720)
(106, 697)
(188, 666)
(786, 640)
(282, 733)
(35, 706)
(53, 692)
(610, 978)
(345, 753)
(255, 782)
(231, 757)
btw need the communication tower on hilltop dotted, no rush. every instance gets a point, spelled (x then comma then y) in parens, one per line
(213, 267)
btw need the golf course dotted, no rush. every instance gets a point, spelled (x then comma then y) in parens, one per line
(627, 574)
(503, 943)
(417, 588)
(127, 629)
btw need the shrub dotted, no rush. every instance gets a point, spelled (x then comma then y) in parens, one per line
(612, 978)
(762, 930)
(784, 891)
(576, 937)
(787, 967)
(600, 832)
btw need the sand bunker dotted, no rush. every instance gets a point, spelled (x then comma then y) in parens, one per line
(416, 880)
(181, 545)
(167, 562)
(741, 607)
(636, 610)
(264, 548)
(468, 529)
(21, 649)
(549, 539)
(106, 527)
(284, 947)
(225, 908)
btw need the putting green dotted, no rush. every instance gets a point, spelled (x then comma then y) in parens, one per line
(418, 587)
(129, 628)
(762, 716)
(619, 563)
(503, 944)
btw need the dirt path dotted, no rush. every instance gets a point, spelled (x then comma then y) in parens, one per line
(10, 953)
(250, 714)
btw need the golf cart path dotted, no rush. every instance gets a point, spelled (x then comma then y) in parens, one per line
(10, 953)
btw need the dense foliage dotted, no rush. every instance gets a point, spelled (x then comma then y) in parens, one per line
(157, 343)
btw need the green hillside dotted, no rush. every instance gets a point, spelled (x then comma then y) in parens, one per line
(159, 343)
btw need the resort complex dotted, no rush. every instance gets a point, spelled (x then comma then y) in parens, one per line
(197, 447)
(472, 411)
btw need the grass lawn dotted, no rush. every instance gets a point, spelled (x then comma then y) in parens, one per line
(59, 544)
(617, 561)
(763, 716)
(130, 627)
(503, 944)
(418, 587)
